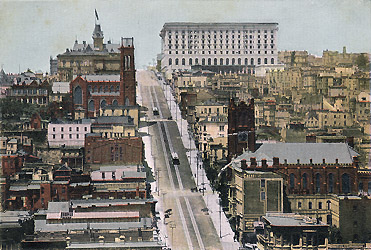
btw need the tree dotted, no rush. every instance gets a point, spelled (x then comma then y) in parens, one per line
(363, 63)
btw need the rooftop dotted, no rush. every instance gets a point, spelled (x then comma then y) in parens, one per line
(304, 152)
(291, 220)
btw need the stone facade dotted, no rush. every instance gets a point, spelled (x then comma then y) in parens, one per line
(225, 44)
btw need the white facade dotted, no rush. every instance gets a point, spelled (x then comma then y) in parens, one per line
(68, 134)
(248, 44)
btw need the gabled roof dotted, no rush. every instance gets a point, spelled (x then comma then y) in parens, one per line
(99, 78)
(303, 152)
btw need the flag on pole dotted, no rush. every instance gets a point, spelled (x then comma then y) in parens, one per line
(96, 14)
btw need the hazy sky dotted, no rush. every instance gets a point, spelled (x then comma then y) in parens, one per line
(32, 31)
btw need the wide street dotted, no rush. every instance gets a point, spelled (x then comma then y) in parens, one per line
(189, 226)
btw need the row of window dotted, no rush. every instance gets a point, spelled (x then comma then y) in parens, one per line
(103, 104)
(203, 37)
(345, 178)
(221, 42)
(221, 46)
(310, 205)
(217, 31)
(203, 52)
(70, 129)
(70, 136)
(221, 61)
(104, 89)
(30, 91)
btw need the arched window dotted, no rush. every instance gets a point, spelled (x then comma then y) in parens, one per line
(176, 61)
(118, 88)
(318, 183)
(227, 61)
(100, 89)
(265, 61)
(112, 89)
(127, 102)
(190, 61)
(203, 61)
(114, 103)
(252, 61)
(95, 89)
(170, 61)
(246, 61)
(305, 181)
(209, 61)
(103, 103)
(233, 61)
(292, 181)
(183, 61)
(331, 183)
(328, 205)
(221, 61)
(215, 61)
(89, 89)
(345, 184)
(239, 61)
(91, 106)
(77, 97)
(310, 206)
(259, 61)
(272, 60)
(196, 61)
(105, 89)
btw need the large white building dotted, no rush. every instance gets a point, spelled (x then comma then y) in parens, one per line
(218, 44)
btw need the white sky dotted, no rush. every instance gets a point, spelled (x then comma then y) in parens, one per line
(32, 31)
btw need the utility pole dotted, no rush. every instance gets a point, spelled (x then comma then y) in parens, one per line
(172, 226)
(190, 150)
(158, 182)
(198, 156)
(220, 218)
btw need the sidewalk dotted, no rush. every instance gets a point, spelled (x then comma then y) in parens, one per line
(210, 197)
(148, 155)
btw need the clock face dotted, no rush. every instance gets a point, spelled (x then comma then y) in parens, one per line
(242, 136)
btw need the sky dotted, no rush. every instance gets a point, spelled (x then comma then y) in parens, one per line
(32, 31)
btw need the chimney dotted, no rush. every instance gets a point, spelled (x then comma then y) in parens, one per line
(264, 164)
(276, 161)
(253, 162)
(356, 160)
(243, 164)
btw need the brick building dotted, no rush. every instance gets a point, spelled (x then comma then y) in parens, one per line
(90, 93)
(120, 182)
(35, 92)
(10, 164)
(241, 127)
(309, 168)
(127, 150)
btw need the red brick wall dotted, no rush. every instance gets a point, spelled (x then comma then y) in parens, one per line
(127, 76)
(240, 118)
(324, 170)
(121, 150)
(11, 164)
